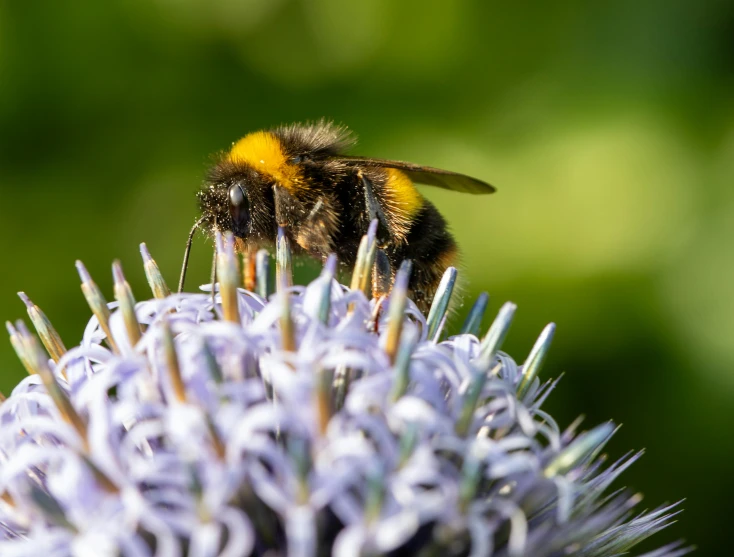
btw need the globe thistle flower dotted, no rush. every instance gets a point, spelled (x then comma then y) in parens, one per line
(311, 421)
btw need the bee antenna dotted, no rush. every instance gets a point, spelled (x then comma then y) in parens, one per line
(187, 252)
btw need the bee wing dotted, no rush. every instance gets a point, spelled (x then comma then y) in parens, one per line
(425, 174)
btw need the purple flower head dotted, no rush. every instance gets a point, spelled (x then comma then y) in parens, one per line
(314, 422)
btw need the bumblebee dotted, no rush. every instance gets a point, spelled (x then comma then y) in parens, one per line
(298, 177)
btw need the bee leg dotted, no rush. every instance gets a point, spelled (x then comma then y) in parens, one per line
(316, 232)
(250, 269)
(382, 270)
(311, 223)
(381, 275)
(374, 211)
(286, 209)
(282, 202)
(381, 285)
(315, 235)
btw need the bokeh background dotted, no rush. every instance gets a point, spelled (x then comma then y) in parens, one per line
(607, 126)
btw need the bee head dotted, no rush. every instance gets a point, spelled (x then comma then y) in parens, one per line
(236, 199)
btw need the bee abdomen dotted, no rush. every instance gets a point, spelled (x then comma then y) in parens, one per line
(431, 248)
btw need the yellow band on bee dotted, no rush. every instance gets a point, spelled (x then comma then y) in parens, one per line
(401, 194)
(263, 151)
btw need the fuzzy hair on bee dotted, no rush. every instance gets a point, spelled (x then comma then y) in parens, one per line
(300, 178)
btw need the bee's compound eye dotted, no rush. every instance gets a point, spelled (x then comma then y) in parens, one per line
(238, 206)
(297, 159)
(236, 195)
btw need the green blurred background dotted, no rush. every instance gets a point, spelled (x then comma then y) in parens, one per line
(608, 128)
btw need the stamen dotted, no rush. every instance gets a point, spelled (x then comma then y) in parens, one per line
(263, 274)
(228, 277)
(171, 359)
(17, 342)
(155, 279)
(473, 323)
(535, 360)
(440, 304)
(49, 337)
(396, 311)
(497, 333)
(97, 304)
(124, 296)
(283, 261)
(579, 450)
(39, 363)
